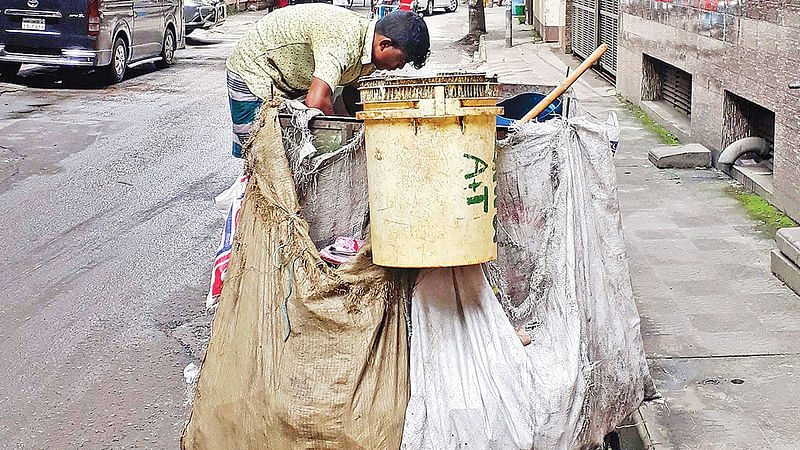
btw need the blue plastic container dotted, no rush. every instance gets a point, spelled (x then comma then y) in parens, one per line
(387, 8)
(517, 106)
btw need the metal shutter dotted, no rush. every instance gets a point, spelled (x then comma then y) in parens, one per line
(584, 27)
(676, 88)
(608, 24)
(596, 22)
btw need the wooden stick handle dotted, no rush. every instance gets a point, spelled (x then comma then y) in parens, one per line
(555, 93)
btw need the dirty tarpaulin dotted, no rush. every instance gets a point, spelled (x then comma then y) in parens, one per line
(562, 275)
(339, 377)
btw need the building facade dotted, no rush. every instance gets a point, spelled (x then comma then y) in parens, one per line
(548, 17)
(715, 71)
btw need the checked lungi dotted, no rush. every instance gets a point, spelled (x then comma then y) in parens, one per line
(244, 111)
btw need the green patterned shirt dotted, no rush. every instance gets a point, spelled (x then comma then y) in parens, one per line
(289, 46)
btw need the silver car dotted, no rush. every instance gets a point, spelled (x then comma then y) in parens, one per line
(427, 6)
(203, 14)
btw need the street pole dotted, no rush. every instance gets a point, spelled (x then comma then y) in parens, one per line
(477, 18)
(509, 16)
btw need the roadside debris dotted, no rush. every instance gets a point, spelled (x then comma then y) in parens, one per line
(341, 251)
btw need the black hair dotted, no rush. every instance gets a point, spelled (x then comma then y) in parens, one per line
(408, 32)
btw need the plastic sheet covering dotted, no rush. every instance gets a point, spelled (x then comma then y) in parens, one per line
(301, 355)
(470, 379)
(562, 274)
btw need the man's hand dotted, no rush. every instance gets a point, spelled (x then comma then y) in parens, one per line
(320, 96)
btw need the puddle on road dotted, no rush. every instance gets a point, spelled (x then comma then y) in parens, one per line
(50, 77)
(32, 146)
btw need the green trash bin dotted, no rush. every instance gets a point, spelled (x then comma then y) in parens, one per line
(519, 11)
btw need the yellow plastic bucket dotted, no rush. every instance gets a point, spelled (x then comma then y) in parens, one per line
(430, 146)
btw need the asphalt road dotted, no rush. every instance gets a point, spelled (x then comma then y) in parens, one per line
(109, 226)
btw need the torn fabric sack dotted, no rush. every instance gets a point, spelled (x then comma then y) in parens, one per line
(301, 355)
(331, 212)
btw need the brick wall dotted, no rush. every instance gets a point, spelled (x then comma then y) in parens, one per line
(748, 47)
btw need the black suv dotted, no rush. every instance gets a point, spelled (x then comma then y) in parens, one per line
(109, 34)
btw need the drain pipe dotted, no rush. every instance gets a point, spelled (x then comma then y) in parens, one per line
(737, 149)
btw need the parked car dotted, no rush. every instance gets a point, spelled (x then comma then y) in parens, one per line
(203, 14)
(427, 6)
(107, 34)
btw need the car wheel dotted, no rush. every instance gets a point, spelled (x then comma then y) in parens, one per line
(9, 70)
(453, 6)
(167, 50)
(429, 8)
(115, 71)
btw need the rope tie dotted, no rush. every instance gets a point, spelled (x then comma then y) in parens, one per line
(286, 301)
(290, 219)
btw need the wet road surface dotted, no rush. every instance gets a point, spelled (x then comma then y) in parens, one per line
(106, 202)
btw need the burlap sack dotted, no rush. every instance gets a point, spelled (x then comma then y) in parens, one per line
(340, 379)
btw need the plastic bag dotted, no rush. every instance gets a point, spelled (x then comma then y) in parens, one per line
(229, 200)
(612, 129)
(470, 378)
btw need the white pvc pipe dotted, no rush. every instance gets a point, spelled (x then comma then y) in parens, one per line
(740, 147)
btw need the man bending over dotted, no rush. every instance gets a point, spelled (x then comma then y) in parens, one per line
(311, 49)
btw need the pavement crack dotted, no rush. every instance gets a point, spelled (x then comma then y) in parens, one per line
(9, 152)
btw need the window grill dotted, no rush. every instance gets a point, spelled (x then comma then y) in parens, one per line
(676, 87)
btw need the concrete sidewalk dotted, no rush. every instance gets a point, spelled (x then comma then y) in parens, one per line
(720, 332)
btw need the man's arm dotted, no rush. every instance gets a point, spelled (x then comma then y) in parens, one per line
(320, 96)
